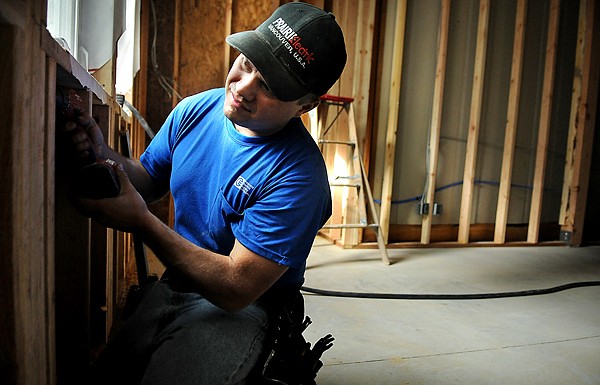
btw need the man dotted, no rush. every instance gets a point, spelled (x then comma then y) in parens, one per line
(250, 192)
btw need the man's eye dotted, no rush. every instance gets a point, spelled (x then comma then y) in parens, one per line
(247, 65)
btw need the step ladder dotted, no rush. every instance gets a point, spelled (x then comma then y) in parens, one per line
(355, 178)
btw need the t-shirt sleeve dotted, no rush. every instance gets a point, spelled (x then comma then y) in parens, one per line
(282, 224)
(157, 157)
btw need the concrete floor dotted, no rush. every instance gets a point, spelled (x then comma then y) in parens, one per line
(547, 339)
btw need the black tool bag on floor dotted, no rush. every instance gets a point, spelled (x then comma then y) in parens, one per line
(288, 358)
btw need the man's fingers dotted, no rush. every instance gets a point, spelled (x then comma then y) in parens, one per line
(86, 121)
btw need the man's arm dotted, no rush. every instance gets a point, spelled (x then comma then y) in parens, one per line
(231, 282)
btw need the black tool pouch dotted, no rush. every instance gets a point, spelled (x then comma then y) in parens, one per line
(288, 358)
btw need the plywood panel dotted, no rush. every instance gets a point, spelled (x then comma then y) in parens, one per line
(200, 46)
(248, 14)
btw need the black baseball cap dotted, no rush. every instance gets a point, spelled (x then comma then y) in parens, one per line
(298, 50)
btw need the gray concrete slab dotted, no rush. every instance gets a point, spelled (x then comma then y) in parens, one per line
(546, 339)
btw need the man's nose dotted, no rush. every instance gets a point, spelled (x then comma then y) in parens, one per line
(248, 86)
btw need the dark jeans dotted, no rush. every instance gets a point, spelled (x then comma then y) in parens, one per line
(181, 338)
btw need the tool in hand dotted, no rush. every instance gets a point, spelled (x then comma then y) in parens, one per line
(93, 178)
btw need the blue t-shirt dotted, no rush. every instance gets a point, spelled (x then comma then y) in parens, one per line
(271, 193)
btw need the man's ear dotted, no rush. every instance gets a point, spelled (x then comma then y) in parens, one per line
(307, 107)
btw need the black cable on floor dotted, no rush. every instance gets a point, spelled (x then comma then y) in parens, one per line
(524, 293)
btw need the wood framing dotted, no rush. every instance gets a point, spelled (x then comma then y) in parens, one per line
(356, 85)
(226, 48)
(436, 119)
(392, 122)
(537, 193)
(363, 52)
(339, 157)
(582, 124)
(47, 274)
(27, 322)
(511, 123)
(49, 215)
(176, 50)
(474, 123)
(140, 84)
(354, 205)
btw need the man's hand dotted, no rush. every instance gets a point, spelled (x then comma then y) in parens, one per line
(86, 144)
(87, 140)
(124, 212)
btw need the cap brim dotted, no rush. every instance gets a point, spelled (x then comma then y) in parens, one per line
(280, 80)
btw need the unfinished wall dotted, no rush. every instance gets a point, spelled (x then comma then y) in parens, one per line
(506, 112)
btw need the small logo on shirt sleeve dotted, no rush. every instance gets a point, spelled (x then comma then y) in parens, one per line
(243, 185)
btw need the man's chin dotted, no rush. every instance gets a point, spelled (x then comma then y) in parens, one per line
(230, 112)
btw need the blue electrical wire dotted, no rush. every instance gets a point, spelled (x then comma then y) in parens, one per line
(455, 184)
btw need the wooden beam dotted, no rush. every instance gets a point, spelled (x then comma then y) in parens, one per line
(101, 257)
(370, 134)
(436, 118)
(140, 88)
(363, 91)
(49, 208)
(226, 47)
(26, 216)
(581, 127)
(392, 123)
(360, 30)
(474, 123)
(320, 127)
(363, 52)
(349, 12)
(73, 260)
(512, 119)
(535, 213)
(178, 20)
(36, 228)
(573, 122)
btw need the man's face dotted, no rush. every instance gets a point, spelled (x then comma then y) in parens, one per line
(249, 103)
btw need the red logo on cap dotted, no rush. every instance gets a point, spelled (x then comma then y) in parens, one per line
(302, 51)
(286, 34)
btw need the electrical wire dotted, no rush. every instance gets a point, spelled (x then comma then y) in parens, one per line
(165, 83)
(124, 103)
(509, 294)
(460, 183)
(140, 119)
